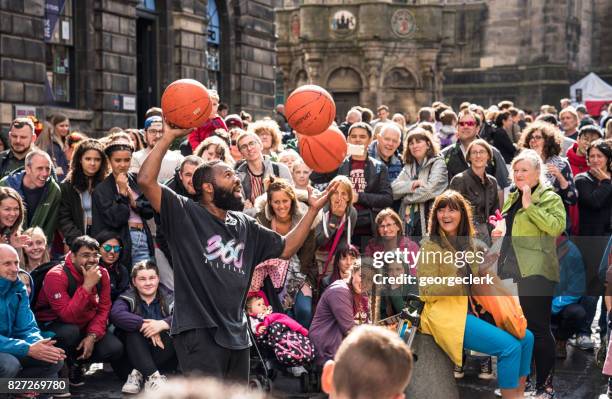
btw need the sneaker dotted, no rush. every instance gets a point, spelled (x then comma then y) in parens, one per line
(561, 349)
(584, 342)
(458, 371)
(154, 382)
(75, 375)
(133, 384)
(297, 371)
(497, 392)
(544, 393)
(486, 370)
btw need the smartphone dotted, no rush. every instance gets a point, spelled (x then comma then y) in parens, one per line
(354, 149)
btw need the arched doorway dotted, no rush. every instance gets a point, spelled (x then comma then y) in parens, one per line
(345, 86)
(400, 90)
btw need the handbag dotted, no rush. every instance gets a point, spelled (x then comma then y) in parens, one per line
(499, 302)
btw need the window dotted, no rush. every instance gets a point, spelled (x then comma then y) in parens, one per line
(214, 41)
(59, 38)
(147, 5)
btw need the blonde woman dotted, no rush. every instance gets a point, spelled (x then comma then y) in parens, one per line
(36, 253)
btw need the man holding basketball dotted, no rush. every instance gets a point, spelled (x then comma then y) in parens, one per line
(213, 269)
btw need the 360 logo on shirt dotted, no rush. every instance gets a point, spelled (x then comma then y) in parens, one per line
(230, 253)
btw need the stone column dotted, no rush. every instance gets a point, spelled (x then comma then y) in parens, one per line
(22, 57)
(190, 29)
(374, 55)
(115, 67)
(256, 55)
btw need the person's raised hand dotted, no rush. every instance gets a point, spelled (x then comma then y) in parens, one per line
(173, 131)
(318, 201)
(526, 198)
(123, 184)
(91, 276)
(20, 240)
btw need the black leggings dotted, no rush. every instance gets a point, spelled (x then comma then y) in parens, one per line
(537, 310)
(147, 358)
(569, 320)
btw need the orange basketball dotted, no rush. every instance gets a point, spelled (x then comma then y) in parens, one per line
(310, 110)
(324, 152)
(186, 103)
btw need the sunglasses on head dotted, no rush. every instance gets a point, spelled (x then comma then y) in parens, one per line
(109, 248)
(19, 125)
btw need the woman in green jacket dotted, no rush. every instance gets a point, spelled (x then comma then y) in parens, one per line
(535, 217)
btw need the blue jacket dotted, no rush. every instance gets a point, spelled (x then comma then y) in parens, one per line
(571, 285)
(18, 329)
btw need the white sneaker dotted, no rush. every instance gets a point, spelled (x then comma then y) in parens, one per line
(297, 371)
(155, 381)
(133, 383)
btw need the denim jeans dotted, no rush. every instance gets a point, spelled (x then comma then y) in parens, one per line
(27, 367)
(140, 247)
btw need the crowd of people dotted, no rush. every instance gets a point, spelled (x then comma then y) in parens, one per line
(163, 250)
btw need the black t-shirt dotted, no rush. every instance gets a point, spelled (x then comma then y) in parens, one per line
(32, 199)
(213, 264)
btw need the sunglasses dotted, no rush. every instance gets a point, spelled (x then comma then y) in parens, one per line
(19, 125)
(467, 123)
(109, 248)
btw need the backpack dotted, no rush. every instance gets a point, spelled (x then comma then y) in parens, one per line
(38, 277)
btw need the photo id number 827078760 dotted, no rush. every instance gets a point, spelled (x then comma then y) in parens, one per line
(36, 385)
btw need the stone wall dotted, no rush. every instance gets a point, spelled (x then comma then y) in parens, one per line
(395, 58)
(106, 64)
(22, 56)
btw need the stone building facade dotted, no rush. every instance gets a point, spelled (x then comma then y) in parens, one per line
(104, 62)
(408, 53)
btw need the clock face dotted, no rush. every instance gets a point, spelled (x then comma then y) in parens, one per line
(343, 22)
(403, 23)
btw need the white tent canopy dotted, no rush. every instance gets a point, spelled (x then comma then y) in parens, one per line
(595, 92)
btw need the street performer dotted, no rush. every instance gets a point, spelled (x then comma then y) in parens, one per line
(215, 248)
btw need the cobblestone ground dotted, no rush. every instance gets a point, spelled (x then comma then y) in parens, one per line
(576, 377)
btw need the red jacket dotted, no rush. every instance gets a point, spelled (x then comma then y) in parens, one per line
(206, 130)
(85, 309)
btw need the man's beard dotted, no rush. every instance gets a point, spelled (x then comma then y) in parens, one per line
(226, 200)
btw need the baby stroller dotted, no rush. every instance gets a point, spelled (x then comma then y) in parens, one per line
(274, 354)
(407, 321)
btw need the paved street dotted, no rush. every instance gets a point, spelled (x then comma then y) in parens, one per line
(577, 377)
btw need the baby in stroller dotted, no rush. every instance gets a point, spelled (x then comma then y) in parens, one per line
(281, 334)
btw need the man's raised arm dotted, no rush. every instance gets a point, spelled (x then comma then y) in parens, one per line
(147, 177)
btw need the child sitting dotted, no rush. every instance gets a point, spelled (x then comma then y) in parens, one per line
(285, 336)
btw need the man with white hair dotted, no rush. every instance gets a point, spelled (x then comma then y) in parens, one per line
(23, 351)
(39, 191)
(385, 147)
(352, 116)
